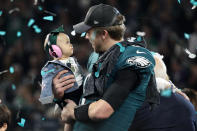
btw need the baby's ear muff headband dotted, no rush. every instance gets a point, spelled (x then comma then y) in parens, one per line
(52, 40)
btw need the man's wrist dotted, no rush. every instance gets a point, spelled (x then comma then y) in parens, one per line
(81, 113)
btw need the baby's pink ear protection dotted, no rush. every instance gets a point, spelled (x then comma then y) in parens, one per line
(55, 51)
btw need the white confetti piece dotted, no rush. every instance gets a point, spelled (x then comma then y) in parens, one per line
(140, 33)
(13, 10)
(193, 7)
(51, 13)
(190, 55)
(73, 33)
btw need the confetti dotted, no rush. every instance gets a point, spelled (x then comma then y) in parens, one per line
(35, 2)
(187, 36)
(15, 9)
(193, 7)
(73, 33)
(192, 56)
(43, 118)
(193, 2)
(45, 73)
(31, 21)
(37, 29)
(13, 87)
(2, 33)
(22, 123)
(131, 39)
(11, 69)
(53, 14)
(139, 38)
(18, 34)
(11, 0)
(40, 8)
(2, 72)
(166, 93)
(1, 12)
(49, 18)
(179, 1)
(140, 33)
(83, 34)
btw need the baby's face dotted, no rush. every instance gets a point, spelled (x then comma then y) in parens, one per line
(63, 42)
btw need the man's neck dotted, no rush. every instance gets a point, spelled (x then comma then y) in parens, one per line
(111, 42)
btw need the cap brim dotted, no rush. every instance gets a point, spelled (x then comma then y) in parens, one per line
(81, 27)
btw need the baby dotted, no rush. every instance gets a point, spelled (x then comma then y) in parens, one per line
(57, 45)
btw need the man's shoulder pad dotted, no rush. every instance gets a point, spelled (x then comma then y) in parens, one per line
(136, 57)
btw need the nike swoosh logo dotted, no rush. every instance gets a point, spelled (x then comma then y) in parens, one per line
(139, 52)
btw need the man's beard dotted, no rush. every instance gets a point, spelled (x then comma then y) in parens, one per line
(98, 49)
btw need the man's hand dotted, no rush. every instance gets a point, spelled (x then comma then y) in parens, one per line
(62, 84)
(67, 114)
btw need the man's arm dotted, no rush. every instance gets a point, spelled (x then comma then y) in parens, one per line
(114, 96)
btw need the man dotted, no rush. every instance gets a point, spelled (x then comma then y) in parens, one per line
(174, 113)
(121, 80)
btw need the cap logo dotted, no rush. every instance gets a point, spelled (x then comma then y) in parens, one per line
(95, 22)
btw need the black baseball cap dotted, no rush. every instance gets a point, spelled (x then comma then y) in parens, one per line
(101, 15)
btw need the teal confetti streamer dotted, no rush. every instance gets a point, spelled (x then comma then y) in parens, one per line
(193, 2)
(40, 8)
(22, 123)
(31, 21)
(43, 118)
(1, 12)
(18, 34)
(49, 18)
(187, 36)
(11, 69)
(179, 1)
(2, 33)
(139, 38)
(37, 29)
(13, 87)
(83, 34)
(166, 93)
(11, 0)
(43, 73)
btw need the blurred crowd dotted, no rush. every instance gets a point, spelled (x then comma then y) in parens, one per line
(163, 21)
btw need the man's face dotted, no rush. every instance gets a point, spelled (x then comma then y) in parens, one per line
(95, 40)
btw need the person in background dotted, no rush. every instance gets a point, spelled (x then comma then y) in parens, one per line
(174, 113)
(5, 117)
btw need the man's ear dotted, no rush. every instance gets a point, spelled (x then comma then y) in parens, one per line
(4, 127)
(104, 34)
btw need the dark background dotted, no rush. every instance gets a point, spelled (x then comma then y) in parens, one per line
(164, 21)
